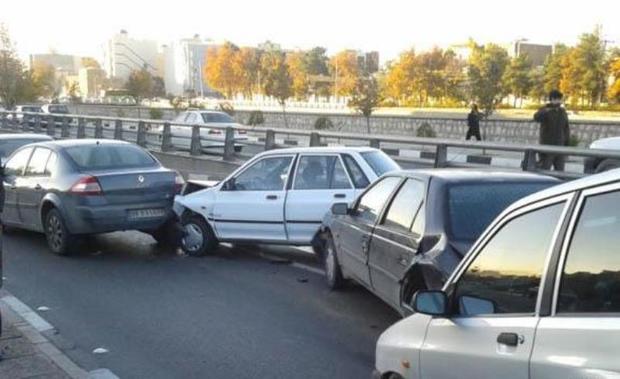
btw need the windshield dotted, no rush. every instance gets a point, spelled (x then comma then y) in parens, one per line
(217, 118)
(380, 162)
(94, 157)
(58, 109)
(472, 207)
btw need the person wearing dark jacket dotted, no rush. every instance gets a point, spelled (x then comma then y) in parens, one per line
(473, 123)
(554, 130)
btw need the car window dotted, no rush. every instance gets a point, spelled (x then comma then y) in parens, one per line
(371, 202)
(191, 118)
(50, 167)
(217, 118)
(473, 206)
(268, 174)
(405, 206)
(591, 276)
(104, 156)
(58, 109)
(36, 166)
(319, 172)
(505, 276)
(357, 175)
(16, 165)
(379, 162)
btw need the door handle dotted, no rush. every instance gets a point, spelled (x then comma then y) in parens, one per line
(509, 339)
(340, 196)
(271, 197)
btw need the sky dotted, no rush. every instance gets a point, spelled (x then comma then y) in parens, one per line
(389, 26)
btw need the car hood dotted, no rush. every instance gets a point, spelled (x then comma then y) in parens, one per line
(199, 201)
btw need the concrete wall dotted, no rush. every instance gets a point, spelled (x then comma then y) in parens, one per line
(497, 130)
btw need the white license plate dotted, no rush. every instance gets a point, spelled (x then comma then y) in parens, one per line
(145, 213)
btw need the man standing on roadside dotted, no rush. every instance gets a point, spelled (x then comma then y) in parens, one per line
(554, 130)
(473, 123)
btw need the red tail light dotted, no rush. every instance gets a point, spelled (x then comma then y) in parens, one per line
(242, 132)
(214, 131)
(87, 186)
(178, 183)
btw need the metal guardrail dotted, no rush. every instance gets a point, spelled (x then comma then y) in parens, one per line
(158, 135)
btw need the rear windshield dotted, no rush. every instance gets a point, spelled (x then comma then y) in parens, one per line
(94, 157)
(217, 118)
(472, 207)
(58, 109)
(380, 162)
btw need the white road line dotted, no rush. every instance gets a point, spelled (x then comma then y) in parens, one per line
(27, 313)
(314, 270)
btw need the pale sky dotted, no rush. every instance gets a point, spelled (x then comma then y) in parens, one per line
(389, 26)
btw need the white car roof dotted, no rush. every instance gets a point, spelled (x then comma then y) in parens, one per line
(320, 150)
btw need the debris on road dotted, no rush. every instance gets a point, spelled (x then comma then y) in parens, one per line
(43, 308)
(100, 350)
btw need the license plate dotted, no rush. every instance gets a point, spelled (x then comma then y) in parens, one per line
(145, 213)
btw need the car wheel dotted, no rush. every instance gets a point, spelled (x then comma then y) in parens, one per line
(198, 238)
(333, 273)
(606, 165)
(58, 238)
(238, 149)
(167, 235)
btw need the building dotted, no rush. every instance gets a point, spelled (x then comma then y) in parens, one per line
(185, 61)
(124, 54)
(537, 53)
(91, 81)
(63, 63)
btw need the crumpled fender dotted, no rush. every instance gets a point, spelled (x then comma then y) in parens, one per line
(201, 202)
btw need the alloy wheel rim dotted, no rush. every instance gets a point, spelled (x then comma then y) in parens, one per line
(330, 262)
(54, 234)
(193, 239)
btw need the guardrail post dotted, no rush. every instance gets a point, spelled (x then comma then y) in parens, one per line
(375, 143)
(441, 156)
(5, 121)
(25, 122)
(529, 160)
(166, 137)
(315, 139)
(81, 130)
(270, 140)
(51, 126)
(118, 129)
(195, 146)
(37, 124)
(141, 138)
(64, 132)
(229, 144)
(98, 129)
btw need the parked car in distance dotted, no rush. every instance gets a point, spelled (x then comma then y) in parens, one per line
(11, 142)
(72, 188)
(210, 137)
(278, 197)
(598, 165)
(55, 109)
(17, 113)
(410, 229)
(538, 296)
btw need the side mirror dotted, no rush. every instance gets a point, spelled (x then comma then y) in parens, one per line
(432, 303)
(229, 185)
(340, 209)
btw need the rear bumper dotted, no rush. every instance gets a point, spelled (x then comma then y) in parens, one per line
(105, 219)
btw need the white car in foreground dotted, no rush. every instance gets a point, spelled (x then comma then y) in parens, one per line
(597, 165)
(537, 297)
(210, 137)
(278, 197)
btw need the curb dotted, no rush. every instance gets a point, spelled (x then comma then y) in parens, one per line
(30, 324)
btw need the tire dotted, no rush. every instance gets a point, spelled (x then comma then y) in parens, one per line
(59, 240)
(333, 272)
(167, 235)
(238, 149)
(198, 239)
(606, 165)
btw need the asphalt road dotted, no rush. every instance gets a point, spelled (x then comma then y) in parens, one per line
(237, 314)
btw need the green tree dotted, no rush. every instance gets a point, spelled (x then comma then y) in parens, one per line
(517, 77)
(140, 84)
(537, 87)
(554, 66)
(591, 60)
(276, 81)
(366, 97)
(12, 78)
(486, 68)
(316, 61)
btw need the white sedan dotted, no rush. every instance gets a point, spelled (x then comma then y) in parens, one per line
(210, 137)
(278, 197)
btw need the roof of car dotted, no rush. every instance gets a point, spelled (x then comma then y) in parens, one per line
(319, 149)
(37, 137)
(82, 142)
(459, 175)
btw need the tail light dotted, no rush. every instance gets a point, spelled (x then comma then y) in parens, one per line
(178, 183)
(87, 186)
(242, 132)
(214, 131)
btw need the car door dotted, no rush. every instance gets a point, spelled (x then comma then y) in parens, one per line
(319, 181)
(353, 232)
(495, 301)
(395, 242)
(182, 134)
(253, 208)
(581, 337)
(35, 185)
(13, 178)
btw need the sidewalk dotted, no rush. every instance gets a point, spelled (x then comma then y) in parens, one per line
(26, 353)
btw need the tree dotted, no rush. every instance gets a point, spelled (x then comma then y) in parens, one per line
(246, 70)
(220, 71)
(590, 58)
(299, 75)
(140, 84)
(614, 90)
(277, 82)
(554, 66)
(399, 80)
(11, 71)
(537, 87)
(73, 91)
(366, 97)
(345, 70)
(517, 77)
(316, 61)
(88, 62)
(48, 83)
(486, 68)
